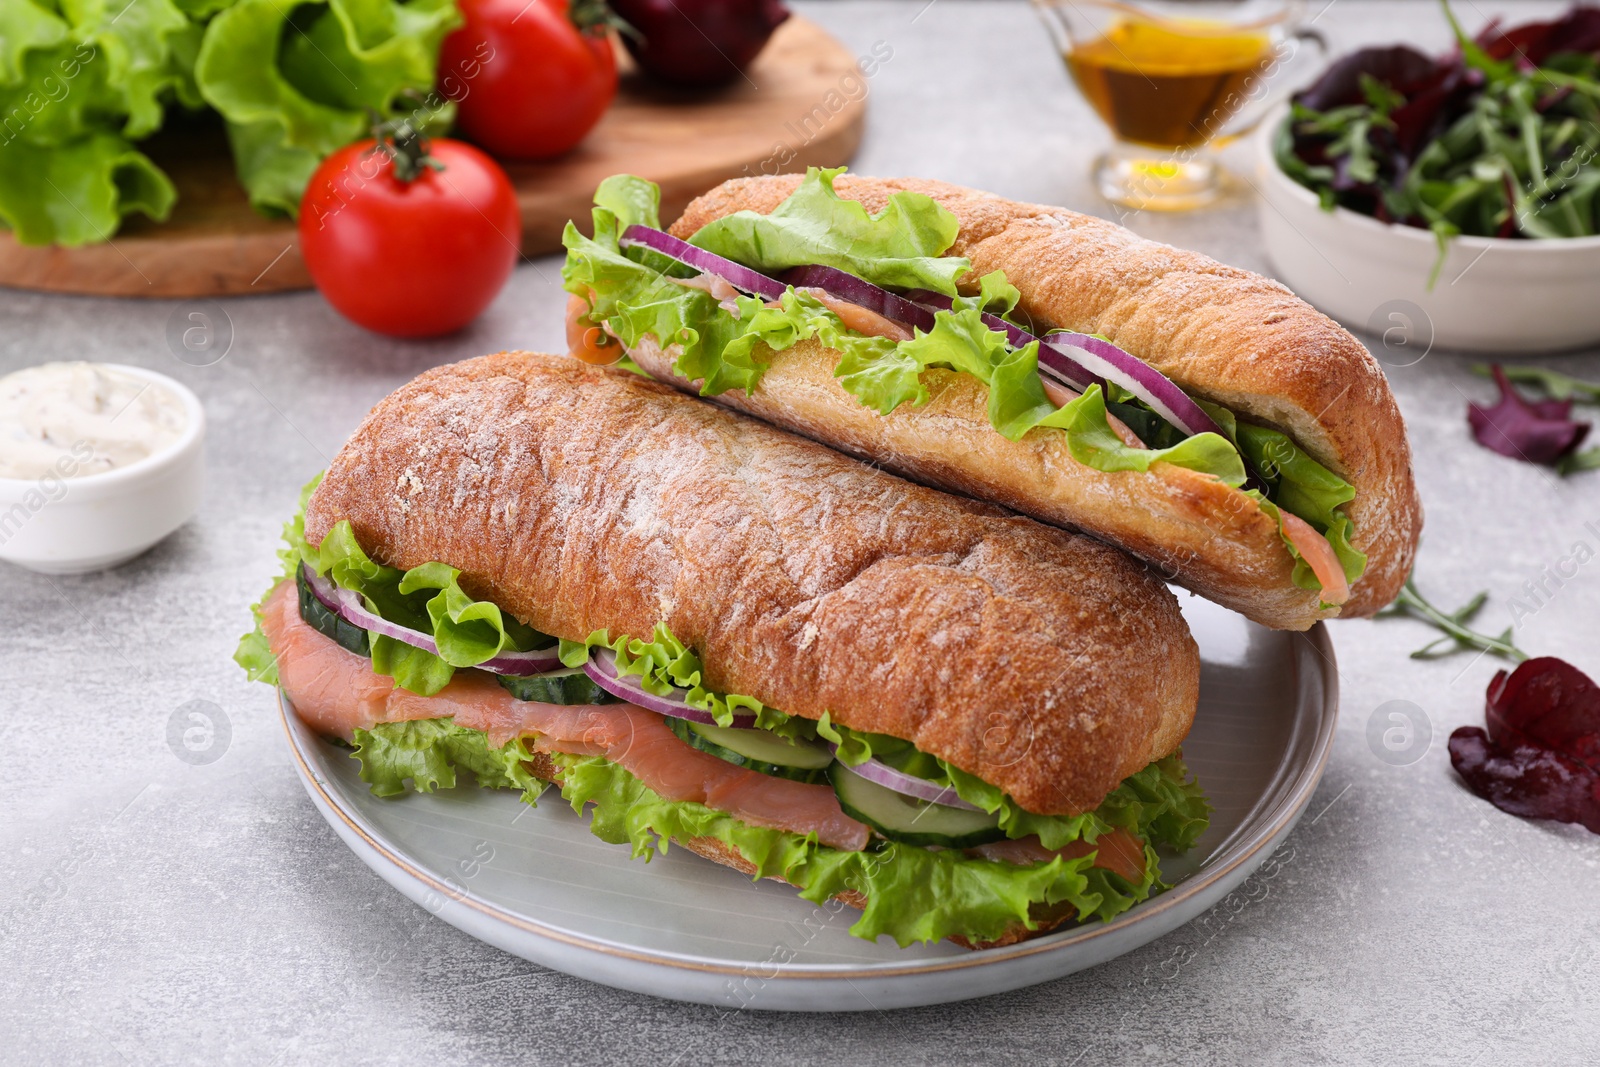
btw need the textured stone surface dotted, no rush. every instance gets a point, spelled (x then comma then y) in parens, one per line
(156, 911)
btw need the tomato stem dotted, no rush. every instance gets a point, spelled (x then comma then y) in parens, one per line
(405, 145)
(594, 17)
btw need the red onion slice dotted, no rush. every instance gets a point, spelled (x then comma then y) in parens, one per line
(880, 773)
(848, 287)
(346, 603)
(742, 277)
(602, 667)
(1105, 360)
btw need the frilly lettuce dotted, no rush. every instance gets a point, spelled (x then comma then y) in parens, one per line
(253, 653)
(82, 81)
(913, 894)
(665, 664)
(428, 598)
(423, 755)
(78, 84)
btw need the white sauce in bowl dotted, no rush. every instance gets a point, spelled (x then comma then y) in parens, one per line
(76, 419)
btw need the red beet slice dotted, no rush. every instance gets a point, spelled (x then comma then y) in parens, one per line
(1537, 431)
(1549, 703)
(1540, 757)
(1534, 783)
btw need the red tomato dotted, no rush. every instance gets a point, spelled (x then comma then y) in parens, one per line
(528, 82)
(414, 258)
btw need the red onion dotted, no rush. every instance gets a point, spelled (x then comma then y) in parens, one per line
(602, 667)
(848, 287)
(742, 277)
(698, 42)
(1105, 360)
(880, 773)
(346, 603)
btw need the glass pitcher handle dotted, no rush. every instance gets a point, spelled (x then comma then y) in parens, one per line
(1273, 84)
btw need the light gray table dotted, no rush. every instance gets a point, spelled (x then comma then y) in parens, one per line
(157, 911)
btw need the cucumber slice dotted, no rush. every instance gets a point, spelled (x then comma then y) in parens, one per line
(757, 750)
(569, 686)
(317, 615)
(909, 820)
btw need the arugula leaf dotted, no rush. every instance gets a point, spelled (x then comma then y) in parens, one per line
(1470, 143)
(1411, 603)
(1577, 462)
(902, 246)
(1557, 385)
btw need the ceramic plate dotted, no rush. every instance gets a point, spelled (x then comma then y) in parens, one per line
(534, 882)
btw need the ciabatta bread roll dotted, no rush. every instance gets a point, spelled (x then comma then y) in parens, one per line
(581, 499)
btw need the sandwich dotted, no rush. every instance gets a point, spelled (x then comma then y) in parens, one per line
(709, 633)
(1199, 416)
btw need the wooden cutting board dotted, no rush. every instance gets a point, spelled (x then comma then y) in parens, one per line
(803, 104)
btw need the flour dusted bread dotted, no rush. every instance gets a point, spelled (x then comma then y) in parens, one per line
(1223, 334)
(580, 499)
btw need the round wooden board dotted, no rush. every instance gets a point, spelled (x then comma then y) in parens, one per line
(802, 104)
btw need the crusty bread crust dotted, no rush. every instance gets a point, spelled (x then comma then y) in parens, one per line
(581, 499)
(1222, 333)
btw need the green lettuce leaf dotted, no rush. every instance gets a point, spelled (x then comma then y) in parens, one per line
(77, 84)
(1303, 487)
(427, 598)
(296, 81)
(79, 191)
(901, 246)
(913, 894)
(423, 755)
(82, 80)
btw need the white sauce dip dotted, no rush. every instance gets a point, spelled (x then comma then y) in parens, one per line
(76, 419)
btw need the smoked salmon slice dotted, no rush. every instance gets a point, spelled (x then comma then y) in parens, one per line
(1119, 852)
(337, 692)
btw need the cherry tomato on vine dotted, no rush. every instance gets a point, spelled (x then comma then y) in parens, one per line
(409, 237)
(529, 77)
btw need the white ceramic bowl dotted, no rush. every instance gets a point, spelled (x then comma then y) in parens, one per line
(73, 525)
(1493, 294)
